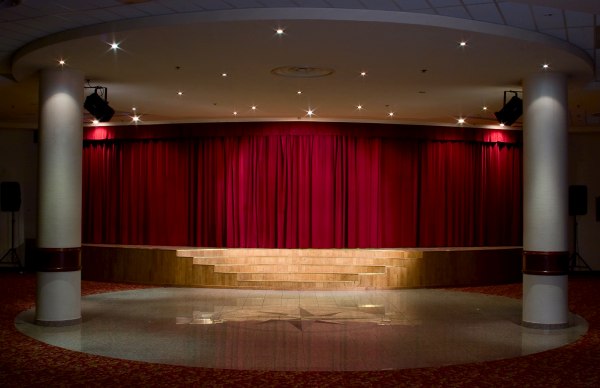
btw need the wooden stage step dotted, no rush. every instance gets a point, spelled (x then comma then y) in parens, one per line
(302, 269)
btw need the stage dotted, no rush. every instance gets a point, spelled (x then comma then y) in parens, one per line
(301, 269)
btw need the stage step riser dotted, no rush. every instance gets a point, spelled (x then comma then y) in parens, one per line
(291, 285)
(297, 268)
(286, 260)
(322, 253)
(297, 277)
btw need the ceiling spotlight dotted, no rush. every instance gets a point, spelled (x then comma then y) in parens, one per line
(363, 73)
(484, 108)
(299, 92)
(136, 118)
(462, 43)
(461, 121)
(97, 105)
(310, 112)
(359, 107)
(61, 62)
(223, 75)
(511, 111)
(253, 107)
(180, 93)
(114, 46)
(545, 66)
(391, 114)
(234, 113)
(279, 31)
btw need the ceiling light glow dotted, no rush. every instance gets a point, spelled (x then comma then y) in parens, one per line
(461, 120)
(180, 93)
(114, 46)
(545, 66)
(363, 73)
(391, 114)
(279, 31)
(462, 43)
(61, 62)
(359, 107)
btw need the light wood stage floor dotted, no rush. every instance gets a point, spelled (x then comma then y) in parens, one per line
(301, 269)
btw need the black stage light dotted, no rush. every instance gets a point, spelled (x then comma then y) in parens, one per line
(98, 107)
(511, 111)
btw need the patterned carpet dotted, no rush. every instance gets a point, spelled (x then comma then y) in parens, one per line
(25, 362)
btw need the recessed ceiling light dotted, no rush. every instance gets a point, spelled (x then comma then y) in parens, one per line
(234, 113)
(95, 121)
(134, 108)
(136, 118)
(461, 120)
(279, 31)
(114, 46)
(462, 43)
(484, 107)
(391, 114)
(359, 107)
(253, 107)
(299, 92)
(363, 73)
(223, 74)
(501, 124)
(61, 62)
(310, 112)
(545, 66)
(180, 93)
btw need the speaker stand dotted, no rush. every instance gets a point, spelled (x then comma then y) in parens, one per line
(575, 256)
(11, 256)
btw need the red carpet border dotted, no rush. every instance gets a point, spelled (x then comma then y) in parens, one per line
(25, 362)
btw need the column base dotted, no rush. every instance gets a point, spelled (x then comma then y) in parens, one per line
(68, 322)
(545, 326)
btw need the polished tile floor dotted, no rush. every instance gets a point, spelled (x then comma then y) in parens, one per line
(301, 330)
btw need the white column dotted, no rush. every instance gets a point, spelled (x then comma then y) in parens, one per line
(545, 201)
(58, 300)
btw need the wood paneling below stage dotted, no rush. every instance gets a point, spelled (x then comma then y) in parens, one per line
(301, 269)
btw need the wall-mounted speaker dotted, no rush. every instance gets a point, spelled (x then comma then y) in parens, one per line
(577, 200)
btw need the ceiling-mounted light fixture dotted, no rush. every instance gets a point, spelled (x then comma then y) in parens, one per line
(97, 105)
(512, 110)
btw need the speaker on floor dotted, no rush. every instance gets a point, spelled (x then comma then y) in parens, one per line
(10, 196)
(577, 200)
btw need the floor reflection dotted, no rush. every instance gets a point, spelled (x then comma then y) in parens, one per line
(301, 330)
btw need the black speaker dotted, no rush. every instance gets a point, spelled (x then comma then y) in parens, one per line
(577, 200)
(511, 111)
(98, 107)
(10, 196)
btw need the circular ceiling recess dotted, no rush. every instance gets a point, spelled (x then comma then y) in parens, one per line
(301, 71)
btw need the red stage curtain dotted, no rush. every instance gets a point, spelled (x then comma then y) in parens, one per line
(318, 189)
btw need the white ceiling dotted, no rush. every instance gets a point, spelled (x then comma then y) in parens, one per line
(409, 49)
